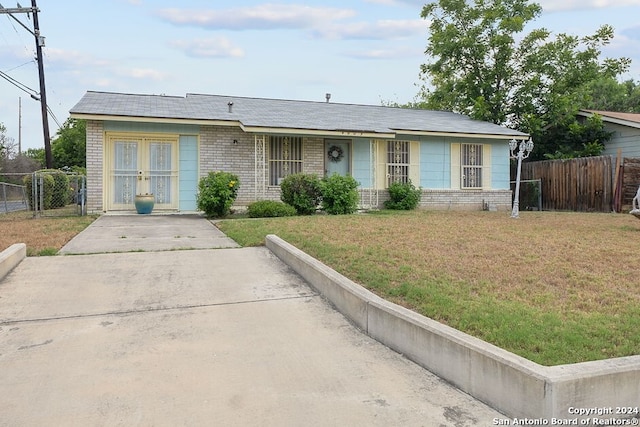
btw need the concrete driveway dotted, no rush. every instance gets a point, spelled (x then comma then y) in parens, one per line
(126, 233)
(228, 337)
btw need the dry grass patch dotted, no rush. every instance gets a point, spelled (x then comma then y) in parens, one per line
(553, 287)
(43, 236)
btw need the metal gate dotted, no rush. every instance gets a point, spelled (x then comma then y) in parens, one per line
(56, 193)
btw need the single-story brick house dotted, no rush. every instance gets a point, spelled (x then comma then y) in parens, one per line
(164, 144)
(625, 129)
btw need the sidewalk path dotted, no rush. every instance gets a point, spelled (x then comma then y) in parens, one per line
(126, 233)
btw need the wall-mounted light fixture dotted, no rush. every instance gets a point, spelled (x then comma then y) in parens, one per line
(235, 141)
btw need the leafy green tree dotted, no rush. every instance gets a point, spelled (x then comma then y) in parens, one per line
(12, 162)
(473, 52)
(38, 155)
(5, 143)
(483, 66)
(7, 149)
(607, 94)
(69, 146)
(572, 139)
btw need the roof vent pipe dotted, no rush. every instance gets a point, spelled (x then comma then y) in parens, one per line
(327, 96)
(230, 104)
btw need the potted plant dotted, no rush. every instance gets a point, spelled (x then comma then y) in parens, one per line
(144, 203)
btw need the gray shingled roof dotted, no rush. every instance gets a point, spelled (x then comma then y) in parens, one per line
(277, 113)
(629, 119)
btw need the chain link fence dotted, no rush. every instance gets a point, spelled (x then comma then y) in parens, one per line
(46, 193)
(530, 194)
(13, 197)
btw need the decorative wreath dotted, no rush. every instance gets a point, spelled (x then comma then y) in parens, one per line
(335, 153)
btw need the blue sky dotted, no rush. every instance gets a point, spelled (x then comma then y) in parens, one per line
(360, 51)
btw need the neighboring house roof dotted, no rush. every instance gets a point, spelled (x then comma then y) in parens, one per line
(277, 115)
(625, 119)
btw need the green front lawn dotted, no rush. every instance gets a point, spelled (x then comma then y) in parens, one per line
(555, 288)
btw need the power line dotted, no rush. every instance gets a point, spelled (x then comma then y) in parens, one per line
(32, 92)
(39, 44)
(53, 116)
(11, 20)
(21, 65)
(20, 9)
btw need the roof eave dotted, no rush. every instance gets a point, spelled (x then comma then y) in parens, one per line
(463, 134)
(319, 132)
(609, 119)
(342, 133)
(138, 119)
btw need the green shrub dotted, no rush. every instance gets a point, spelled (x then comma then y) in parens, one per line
(216, 193)
(302, 191)
(403, 196)
(270, 208)
(44, 190)
(62, 192)
(339, 194)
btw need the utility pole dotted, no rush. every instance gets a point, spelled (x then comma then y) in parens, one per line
(19, 126)
(43, 94)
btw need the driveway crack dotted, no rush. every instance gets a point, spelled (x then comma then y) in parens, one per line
(150, 310)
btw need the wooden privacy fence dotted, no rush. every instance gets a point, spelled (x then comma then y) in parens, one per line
(628, 183)
(584, 184)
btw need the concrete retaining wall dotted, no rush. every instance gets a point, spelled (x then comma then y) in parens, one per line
(509, 383)
(11, 257)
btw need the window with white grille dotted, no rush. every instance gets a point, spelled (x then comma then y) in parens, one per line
(398, 161)
(285, 157)
(472, 163)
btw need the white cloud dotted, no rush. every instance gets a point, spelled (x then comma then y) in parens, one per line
(385, 2)
(73, 58)
(88, 67)
(13, 53)
(143, 73)
(218, 47)
(398, 2)
(383, 54)
(381, 30)
(103, 82)
(564, 5)
(626, 44)
(266, 16)
(632, 32)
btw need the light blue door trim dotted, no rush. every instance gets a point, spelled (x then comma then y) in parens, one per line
(188, 172)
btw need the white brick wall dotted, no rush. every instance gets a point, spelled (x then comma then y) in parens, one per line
(95, 161)
(465, 200)
(218, 152)
(314, 156)
(458, 199)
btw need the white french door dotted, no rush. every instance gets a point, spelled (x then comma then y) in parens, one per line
(140, 165)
